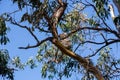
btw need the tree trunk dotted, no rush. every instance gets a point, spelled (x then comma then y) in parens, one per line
(84, 62)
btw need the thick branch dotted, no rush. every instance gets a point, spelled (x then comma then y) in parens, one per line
(61, 2)
(82, 60)
(58, 13)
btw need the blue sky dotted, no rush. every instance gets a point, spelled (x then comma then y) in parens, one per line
(20, 37)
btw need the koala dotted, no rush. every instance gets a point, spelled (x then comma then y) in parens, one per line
(65, 40)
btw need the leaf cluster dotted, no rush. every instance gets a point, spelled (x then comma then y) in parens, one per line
(5, 70)
(3, 32)
(22, 3)
(108, 65)
(101, 8)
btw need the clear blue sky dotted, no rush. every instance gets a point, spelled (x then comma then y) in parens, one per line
(19, 37)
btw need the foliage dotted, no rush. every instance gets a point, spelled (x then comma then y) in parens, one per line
(3, 32)
(101, 8)
(107, 64)
(89, 36)
(5, 70)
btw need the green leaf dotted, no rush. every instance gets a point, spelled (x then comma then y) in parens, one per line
(44, 70)
(3, 32)
(17, 62)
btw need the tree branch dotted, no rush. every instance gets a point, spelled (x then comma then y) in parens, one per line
(58, 13)
(28, 29)
(77, 47)
(94, 29)
(89, 4)
(83, 61)
(43, 30)
(109, 43)
(38, 44)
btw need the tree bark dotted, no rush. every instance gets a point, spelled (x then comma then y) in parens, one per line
(84, 62)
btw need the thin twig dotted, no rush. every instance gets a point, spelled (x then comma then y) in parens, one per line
(28, 29)
(77, 47)
(109, 43)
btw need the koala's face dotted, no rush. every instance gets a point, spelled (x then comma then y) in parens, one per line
(63, 35)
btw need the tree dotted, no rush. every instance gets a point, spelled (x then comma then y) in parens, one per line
(68, 29)
(5, 70)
